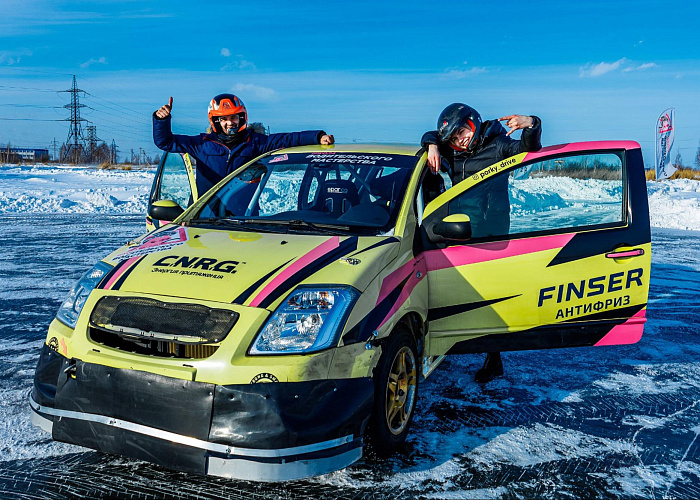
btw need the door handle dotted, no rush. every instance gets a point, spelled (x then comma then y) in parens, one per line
(636, 252)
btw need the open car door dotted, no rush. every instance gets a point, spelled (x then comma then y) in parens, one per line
(173, 190)
(555, 251)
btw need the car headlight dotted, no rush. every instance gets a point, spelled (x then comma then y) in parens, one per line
(309, 320)
(70, 309)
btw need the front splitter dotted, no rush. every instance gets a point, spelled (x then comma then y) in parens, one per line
(235, 462)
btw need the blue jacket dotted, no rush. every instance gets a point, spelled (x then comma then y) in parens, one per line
(215, 160)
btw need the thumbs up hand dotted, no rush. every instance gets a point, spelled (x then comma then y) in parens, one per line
(165, 110)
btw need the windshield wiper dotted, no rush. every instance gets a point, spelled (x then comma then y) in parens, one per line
(239, 224)
(320, 227)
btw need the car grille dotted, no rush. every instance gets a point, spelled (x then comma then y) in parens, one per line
(152, 327)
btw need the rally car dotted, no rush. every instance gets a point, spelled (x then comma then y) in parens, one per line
(294, 309)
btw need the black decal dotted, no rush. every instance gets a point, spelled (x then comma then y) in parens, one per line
(596, 288)
(346, 246)
(378, 244)
(126, 274)
(249, 291)
(544, 295)
(444, 312)
(161, 261)
(185, 262)
(204, 263)
(634, 275)
(615, 282)
(571, 287)
(226, 266)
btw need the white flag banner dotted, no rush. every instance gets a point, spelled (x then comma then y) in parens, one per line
(665, 132)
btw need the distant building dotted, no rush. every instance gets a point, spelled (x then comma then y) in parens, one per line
(24, 154)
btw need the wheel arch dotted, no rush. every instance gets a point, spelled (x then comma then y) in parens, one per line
(416, 325)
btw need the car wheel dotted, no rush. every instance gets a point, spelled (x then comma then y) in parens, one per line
(395, 392)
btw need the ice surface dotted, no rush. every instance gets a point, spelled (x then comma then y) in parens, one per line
(67, 189)
(608, 422)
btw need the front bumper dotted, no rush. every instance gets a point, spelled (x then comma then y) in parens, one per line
(265, 431)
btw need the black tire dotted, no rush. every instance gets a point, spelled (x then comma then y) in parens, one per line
(395, 392)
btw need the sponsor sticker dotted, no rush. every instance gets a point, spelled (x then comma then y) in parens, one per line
(156, 242)
(53, 344)
(279, 158)
(264, 378)
(331, 157)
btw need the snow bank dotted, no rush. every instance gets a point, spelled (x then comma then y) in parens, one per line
(67, 189)
(675, 204)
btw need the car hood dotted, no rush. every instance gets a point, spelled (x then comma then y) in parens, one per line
(242, 267)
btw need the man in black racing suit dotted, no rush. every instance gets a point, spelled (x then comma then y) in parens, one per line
(470, 145)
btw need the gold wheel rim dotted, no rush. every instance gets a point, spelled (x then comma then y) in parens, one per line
(400, 390)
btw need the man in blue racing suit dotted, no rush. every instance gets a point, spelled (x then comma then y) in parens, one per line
(230, 144)
(470, 145)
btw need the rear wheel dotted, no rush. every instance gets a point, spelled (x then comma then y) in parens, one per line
(395, 392)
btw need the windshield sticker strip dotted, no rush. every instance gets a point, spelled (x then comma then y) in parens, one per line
(249, 291)
(348, 245)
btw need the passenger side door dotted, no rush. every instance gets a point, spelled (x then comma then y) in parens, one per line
(559, 254)
(173, 190)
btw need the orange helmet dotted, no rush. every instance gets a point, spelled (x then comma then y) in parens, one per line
(227, 105)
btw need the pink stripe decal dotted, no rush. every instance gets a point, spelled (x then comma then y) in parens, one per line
(471, 254)
(418, 273)
(434, 260)
(580, 147)
(395, 278)
(127, 264)
(627, 333)
(303, 261)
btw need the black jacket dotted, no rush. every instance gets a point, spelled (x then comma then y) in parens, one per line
(493, 146)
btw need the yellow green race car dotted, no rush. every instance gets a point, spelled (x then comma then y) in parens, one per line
(296, 306)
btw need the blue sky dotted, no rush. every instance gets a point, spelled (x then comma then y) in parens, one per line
(366, 71)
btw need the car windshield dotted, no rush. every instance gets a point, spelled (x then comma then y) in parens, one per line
(309, 192)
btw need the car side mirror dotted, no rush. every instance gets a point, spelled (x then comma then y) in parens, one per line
(454, 227)
(165, 210)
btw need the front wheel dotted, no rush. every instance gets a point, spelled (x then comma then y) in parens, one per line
(395, 392)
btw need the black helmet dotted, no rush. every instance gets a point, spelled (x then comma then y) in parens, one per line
(455, 116)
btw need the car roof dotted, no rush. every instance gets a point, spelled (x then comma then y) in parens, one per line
(395, 149)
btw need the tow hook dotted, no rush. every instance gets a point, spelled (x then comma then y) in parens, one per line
(374, 341)
(70, 369)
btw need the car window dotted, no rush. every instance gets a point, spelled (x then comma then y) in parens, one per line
(174, 182)
(362, 190)
(557, 194)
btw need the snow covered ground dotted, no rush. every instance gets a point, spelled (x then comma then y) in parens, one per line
(65, 189)
(605, 422)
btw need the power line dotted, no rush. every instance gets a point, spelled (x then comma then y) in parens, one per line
(9, 87)
(30, 106)
(30, 119)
